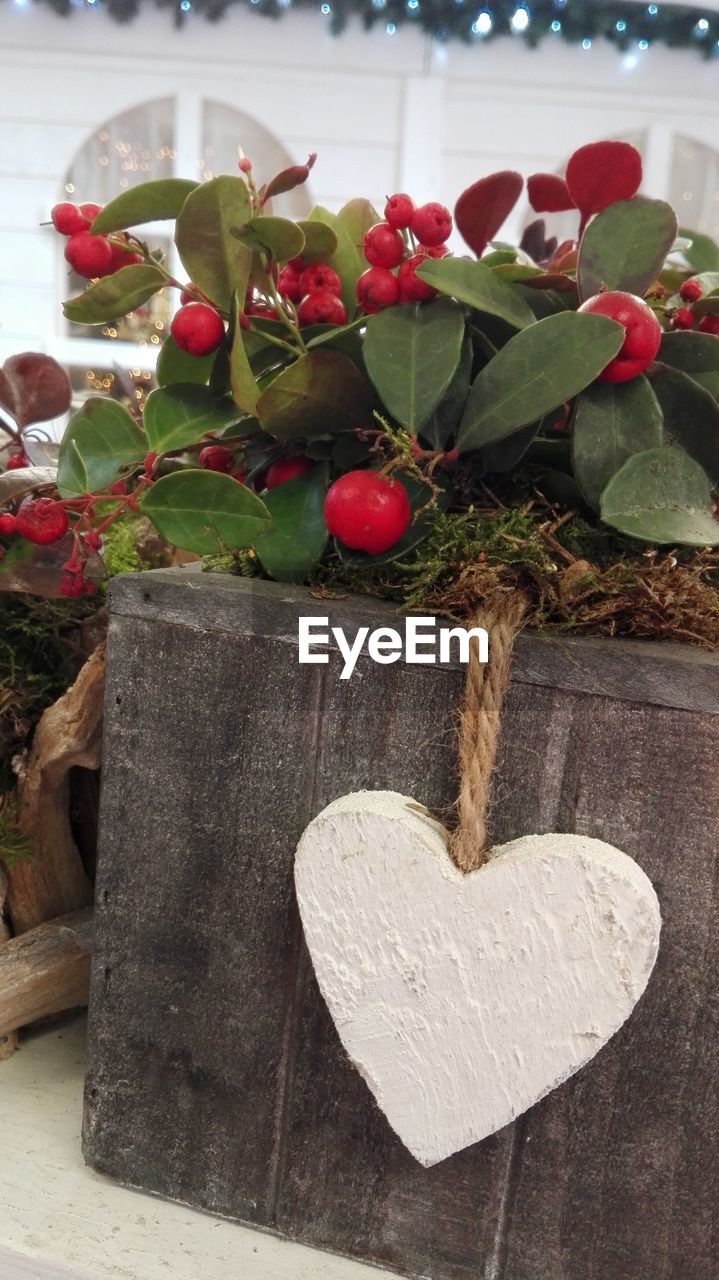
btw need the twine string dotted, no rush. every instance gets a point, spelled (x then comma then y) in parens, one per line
(479, 728)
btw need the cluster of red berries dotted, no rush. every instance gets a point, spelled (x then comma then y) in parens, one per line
(314, 288)
(395, 249)
(685, 318)
(90, 256)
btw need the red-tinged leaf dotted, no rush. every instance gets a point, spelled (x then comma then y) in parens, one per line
(548, 193)
(39, 388)
(288, 179)
(483, 207)
(603, 172)
(565, 257)
(552, 280)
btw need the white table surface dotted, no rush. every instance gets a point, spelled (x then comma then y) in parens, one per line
(61, 1221)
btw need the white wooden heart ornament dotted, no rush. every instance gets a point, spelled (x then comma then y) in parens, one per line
(464, 999)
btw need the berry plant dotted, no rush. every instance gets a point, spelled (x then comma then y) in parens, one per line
(331, 387)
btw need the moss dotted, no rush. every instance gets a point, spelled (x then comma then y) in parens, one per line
(577, 577)
(14, 846)
(120, 551)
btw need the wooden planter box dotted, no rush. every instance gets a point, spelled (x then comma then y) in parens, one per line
(216, 1077)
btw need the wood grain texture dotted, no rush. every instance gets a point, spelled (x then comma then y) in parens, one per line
(45, 971)
(216, 1076)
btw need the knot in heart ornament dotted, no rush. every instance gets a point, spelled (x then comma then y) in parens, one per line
(466, 984)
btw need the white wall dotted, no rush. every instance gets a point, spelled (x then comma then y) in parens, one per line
(384, 113)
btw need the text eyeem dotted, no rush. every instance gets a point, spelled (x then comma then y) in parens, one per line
(423, 641)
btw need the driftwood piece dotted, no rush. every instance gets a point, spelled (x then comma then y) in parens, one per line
(52, 882)
(8, 1043)
(46, 971)
(216, 1076)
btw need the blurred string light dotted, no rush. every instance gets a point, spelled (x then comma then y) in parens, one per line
(625, 23)
(520, 19)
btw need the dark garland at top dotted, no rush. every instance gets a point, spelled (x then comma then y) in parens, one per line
(623, 22)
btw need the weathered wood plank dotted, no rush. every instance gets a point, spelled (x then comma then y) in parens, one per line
(45, 971)
(348, 1181)
(632, 670)
(617, 1172)
(216, 1076)
(195, 912)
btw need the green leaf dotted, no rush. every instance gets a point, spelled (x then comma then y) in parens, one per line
(625, 246)
(174, 365)
(423, 512)
(245, 391)
(696, 354)
(115, 295)
(216, 262)
(280, 238)
(322, 392)
(611, 422)
(100, 441)
(346, 260)
(320, 241)
(536, 371)
(412, 355)
(181, 415)
(478, 286)
(148, 202)
(296, 540)
(691, 416)
(662, 496)
(443, 423)
(505, 455)
(204, 511)
(703, 252)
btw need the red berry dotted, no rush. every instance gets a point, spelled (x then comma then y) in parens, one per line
(197, 329)
(691, 291)
(683, 318)
(17, 461)
(432, 250)
(643, 333)
(245, 165)
(41, 520)
(377, 288)
(123, 258)
(286, 469)
(398, 211)
(288, 284)
(432, 223)
(72, 584)
(89, 256)
(90, 211)
(7, 523)
(411, 288)
(321, 307)
(93, 540)
(67, 219)
(215, 457)
(319, 276)
(366, 511)
(709, 324)
(383, 246)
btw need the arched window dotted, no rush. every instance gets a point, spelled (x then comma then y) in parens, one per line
(694, 185)
(185, 136)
